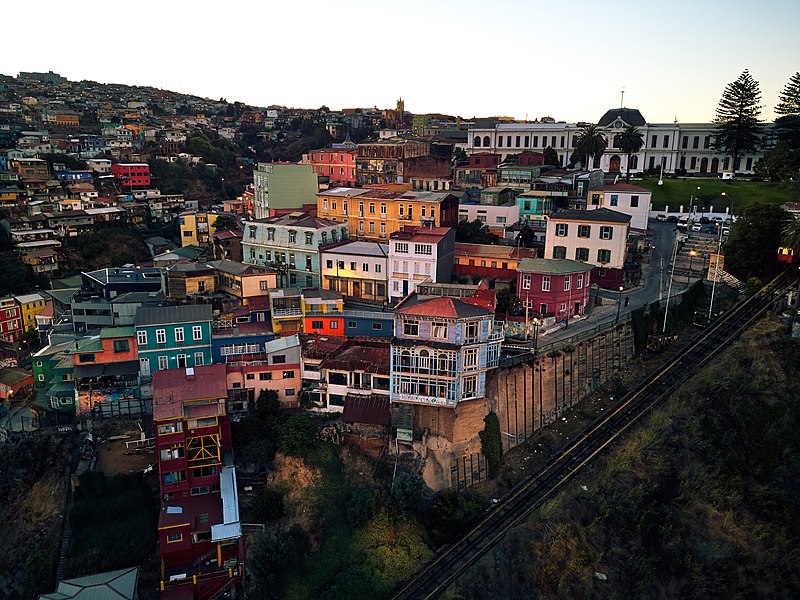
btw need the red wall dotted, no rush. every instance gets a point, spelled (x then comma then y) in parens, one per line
(326, 325)
(557, 295)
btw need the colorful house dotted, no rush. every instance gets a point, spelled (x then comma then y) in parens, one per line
(199, 532)
(554, 287)
(276, 367)
(11, 329)
(30, 305)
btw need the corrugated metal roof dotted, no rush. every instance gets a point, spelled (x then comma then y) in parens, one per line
(555, 266)
(372, 410)
(603, 215)
(230, 527)
(163, 315)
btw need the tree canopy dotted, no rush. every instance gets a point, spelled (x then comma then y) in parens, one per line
(752, 246)
(590, 143)
(738, 118)
(631, 141)
(551, 157)
(475, 232)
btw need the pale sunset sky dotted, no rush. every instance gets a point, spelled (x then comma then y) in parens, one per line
(568, 60)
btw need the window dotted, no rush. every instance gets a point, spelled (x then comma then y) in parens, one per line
(316, 324)
(309, 238)
(665, 143)
(280, 359)
(606, 232)
(579, 284)
(614, 200)
(559, 252)
(470, 358)
(122, 346)
(685, 142)
(292, 237)
(250, 376)
(546, 283)
(595, 199)
(706, 142)
(174, 537)
(174, 476)
(470, 386)
(271, 234)
(584, 231)
(265, 376)
(604, 256)
(198, 491)
(40, 377)
(377, 326)
(288, 374)
(383, 209)
(378, 268)
(654, 141)
(329, 264)
(526, 281)
(423, 249)
(176, 451)
(696, 142)
(204, 471)
(401, 248)
(199, 359)
(163, 363)
(141, 338)
(439, 330)
(561, 229)
(179, 334)
(170, 428)
(353, 265)
(289, 392)
(197, 332)
(567, 283)
(161, 336)
(85, 358)
(634, 201)
(411, 328)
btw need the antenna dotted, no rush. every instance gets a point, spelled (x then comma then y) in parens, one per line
(622, 98)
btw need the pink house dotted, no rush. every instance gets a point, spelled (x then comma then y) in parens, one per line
(554, 287)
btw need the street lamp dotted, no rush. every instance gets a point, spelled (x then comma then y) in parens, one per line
(619, 304)
(660, 272)
(692, 254)
(730, 201)
(671, 278)
(535, 335)
(691, 199)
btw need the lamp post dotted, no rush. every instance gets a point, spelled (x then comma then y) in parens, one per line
(691, 199)
(669, 289)
(716, 272)
(660, 272)
(535, 335)
(619, 304)
(692, 254)
(730, 201)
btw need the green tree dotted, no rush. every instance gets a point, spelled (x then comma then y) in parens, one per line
(460, 156)
(406, 494)
(752, 246)
(491, 442)
(787, 125)
(590, 143)
(297, 434)
(780, 163)
(737, 119)
(268, 404)
(474, 232)
(631, 141)
(551, 157)
(226, 222)
(272, 557)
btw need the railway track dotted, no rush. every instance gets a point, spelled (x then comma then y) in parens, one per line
(436, 575)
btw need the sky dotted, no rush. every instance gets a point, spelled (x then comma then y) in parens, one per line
(519, 58)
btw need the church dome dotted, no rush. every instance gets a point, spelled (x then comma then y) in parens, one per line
(631, 116)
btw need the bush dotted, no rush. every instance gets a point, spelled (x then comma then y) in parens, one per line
(361, 506)
(297, 434)
(491, 442)
(406, 493)
(272, 557)
(453, 513)
(269, 505)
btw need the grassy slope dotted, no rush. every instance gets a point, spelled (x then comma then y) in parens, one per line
(675, 192)
(703, 501)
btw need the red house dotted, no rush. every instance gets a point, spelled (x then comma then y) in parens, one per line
(132, 175)
(554, 288)
(10, 321)
(337, 164)
(530, 159)
(200, 536)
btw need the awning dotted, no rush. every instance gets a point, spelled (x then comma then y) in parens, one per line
(372, 410)
(130, 367)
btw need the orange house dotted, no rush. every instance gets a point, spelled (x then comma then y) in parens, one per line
(324, 324)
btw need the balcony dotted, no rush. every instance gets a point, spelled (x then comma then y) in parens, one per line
(279, 313)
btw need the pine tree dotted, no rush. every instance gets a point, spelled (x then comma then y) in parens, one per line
(789, 98)
(787, 125)
(738, 120)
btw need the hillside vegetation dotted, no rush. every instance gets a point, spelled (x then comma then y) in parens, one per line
(703, 501)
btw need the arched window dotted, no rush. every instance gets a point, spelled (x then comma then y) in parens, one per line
(424, 361)
(486, 141)
(405, 359)
(477, 141)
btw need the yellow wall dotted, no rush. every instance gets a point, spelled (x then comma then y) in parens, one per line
(29, 311)
(391, 218)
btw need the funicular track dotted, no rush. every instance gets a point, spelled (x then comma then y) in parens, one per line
(436, 575)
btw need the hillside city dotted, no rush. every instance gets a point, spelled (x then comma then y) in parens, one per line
(271, 352)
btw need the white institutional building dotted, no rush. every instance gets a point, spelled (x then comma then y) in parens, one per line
(675, 146)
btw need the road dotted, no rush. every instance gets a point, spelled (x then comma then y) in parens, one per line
(662, 236)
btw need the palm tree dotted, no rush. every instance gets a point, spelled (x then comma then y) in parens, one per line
(631, 141)
(791, 234)
(590, 142)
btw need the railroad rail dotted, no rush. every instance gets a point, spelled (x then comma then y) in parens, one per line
(436, 575)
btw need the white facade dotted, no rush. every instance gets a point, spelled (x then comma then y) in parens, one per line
(676, 146)
(594, 237)
(99, 165)
(359, 269)
(426, 254)
(628, 199)
(495, 217)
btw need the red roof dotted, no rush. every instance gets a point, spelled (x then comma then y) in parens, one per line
(191, 510)
(623, 187)
(452, 308)
(173, 387)
(483, 297)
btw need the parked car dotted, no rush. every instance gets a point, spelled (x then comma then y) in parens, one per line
(672, 219)
(716, 219)
(709, 228)
(661, 218)
(705, 220)
(696, 226)
(726, 231)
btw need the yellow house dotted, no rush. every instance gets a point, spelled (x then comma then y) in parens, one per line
(197, 227)
(30, 305)
(243, 281)
(376, 213)
(10, 196)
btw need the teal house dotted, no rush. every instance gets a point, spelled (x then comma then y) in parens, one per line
(53, 379)
(172, 337)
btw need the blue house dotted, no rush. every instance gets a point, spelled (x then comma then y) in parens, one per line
(368, 324)
(240, 340)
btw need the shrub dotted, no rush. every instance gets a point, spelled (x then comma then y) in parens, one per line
(297, 434)
(491, 443)
(406, 493)
(269, 505)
